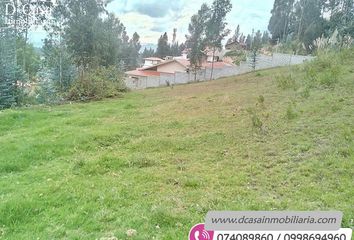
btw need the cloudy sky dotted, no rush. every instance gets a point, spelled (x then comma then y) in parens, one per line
(151, 18)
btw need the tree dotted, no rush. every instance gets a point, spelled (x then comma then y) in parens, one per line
(248, 42)
(265, 38)
(257, 41)
(148, 53)
(174, 36)
(81, 19)
(134, 46)
(216, 26)
(279, 21)
(112, 45)
(237, 33)
(196, 40)
(58, 69)
(163, 48)
(8, 68)
(342, 16)
(27, 58)
(174, 48)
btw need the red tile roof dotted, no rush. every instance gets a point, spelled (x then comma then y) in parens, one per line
(143, 73)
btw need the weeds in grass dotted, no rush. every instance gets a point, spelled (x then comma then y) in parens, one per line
(305, 93)
(192, 183)
(261, 99)
(285, 81)
(141, 162)
(256, 120)
(164, 218)
(290, 113)
(79, 164)
(324, 71)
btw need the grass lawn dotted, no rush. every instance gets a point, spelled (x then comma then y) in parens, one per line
(158, 160)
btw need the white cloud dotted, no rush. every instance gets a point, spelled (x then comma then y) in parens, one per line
(249, 14)
(151, 18)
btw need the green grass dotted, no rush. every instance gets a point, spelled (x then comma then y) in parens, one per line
(158, 160)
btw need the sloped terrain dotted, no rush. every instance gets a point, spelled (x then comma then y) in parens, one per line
(158, 160)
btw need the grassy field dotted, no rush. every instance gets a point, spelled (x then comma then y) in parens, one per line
(158, 160)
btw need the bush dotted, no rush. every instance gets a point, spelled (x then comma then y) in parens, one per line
(256, 121)
(305, 93)
(97, 84)
(237, 56)
(324, 71)
(261, 99)
(290, 113)
(285, 81)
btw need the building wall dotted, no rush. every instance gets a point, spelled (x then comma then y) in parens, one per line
(171, 68)
(263, 62)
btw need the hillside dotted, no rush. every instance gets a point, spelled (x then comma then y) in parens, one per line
(157, 160)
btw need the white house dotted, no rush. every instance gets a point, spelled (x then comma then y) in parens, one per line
(151, 61)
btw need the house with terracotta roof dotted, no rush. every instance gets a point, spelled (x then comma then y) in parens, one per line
(235, 45)
(158, 72)
(151, 61)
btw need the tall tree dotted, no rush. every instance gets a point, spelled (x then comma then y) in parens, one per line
(134, 46)
(216, 27)
(257, 41)
(82, 18)
(174, 36)
(280, 19)
(342, 16)
(265, 38)
(249, 41)
(8, 68)
(196, 40)
(163, 48)
(148, 53)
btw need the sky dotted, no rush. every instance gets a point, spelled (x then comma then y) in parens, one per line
(151, 18)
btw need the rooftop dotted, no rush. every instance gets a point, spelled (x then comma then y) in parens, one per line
(153, 59)
(143, 73)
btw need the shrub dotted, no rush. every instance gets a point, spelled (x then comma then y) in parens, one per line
(285, 81)
(237, 56)
(97, 84)
(305, 93)
(324, 71)
(256, 121)
(290, 113)
(261, 99)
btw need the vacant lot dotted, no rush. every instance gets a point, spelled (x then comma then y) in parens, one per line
(157, 160)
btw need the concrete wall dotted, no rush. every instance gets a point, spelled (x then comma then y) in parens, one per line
(171, 67)
(263, 62)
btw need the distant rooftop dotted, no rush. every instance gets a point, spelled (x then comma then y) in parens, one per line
(153, 59)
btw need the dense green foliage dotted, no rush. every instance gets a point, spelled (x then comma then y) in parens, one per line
(97, 84)
(303, 21)
(196, 40)
(207, 30)
(164, 48)
(82, 37)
